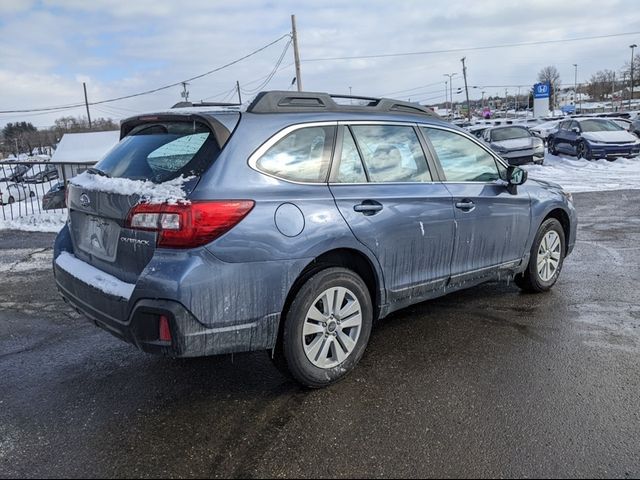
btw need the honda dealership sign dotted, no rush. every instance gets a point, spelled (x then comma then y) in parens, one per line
(541, 94)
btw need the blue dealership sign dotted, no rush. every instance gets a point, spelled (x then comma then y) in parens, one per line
(541, 90)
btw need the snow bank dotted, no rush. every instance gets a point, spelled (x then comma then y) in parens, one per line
(170, 191)
(39, 222)
(92, 276)
(580, 175)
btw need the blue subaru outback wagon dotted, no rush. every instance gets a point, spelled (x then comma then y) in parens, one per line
(294, 225)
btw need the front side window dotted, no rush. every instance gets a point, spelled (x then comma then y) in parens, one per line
(392, 153)
(462, 159)
(301, 156)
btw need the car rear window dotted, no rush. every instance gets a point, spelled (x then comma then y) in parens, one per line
(162, 151)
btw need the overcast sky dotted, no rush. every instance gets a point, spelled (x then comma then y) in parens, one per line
(119, 47)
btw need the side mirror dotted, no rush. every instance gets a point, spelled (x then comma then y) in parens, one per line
(575, 130)
(515, 176)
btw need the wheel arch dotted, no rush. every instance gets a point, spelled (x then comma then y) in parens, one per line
(349, 258)
(563, 217)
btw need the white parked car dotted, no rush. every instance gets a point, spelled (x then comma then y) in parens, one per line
(15, 192)
(545, 129)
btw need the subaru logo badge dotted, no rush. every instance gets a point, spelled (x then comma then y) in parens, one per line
(85, 201)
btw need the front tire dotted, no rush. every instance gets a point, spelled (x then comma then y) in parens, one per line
(546, 258)
(551, 146)
(327, 328)
(583, 151)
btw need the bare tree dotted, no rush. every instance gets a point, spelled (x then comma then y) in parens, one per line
(600, 83)
(551, 75)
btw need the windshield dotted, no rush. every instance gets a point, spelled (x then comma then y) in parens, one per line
(509, 133)
(599, 126)
(162, 151)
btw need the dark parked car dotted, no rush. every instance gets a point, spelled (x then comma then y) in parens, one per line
(635, 126)
(516, 144)
(54, 198)
(591, 138)
(41, 174)
(294, 225)
(14, 173)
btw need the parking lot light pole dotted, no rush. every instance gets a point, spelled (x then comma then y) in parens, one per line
(450, 75)
(575, 86)
(632, 47)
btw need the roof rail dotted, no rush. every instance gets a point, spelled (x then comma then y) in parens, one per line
(298, 102)
(205, 104)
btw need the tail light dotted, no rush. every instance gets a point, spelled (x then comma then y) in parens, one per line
(188, 225)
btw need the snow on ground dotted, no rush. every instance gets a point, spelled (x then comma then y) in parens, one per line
(21, 260)
(580, 175)
(38, 222)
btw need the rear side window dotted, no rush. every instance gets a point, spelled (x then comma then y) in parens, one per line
(301, 156)
(462, 160)
(162, 151)
(392, 153)
(350, 169)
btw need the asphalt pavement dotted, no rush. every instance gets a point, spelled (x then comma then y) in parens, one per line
(489, 382)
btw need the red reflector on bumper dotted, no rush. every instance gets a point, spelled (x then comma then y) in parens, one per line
(165, 332)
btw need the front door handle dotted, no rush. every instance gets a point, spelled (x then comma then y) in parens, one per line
(368, 207)
(465, 205)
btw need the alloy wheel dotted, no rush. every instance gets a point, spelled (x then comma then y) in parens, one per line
(549, 253)
(332, 327)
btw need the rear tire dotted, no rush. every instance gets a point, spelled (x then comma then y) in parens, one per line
(546, 258)
(326, 328)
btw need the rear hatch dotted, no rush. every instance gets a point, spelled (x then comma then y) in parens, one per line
(159, 159)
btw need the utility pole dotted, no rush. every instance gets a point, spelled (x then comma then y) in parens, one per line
(575, 87)
(483, 92)
(632, 47)
(466, 88)
(450, 75)
(185, 93)
(296, 52)
(239, 96)
(86, 103)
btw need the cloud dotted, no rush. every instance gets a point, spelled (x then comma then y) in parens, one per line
(124, 46)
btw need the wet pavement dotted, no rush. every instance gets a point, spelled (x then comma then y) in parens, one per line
(483, 383)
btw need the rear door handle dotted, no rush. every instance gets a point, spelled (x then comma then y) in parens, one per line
(465, 205)
(368, 207)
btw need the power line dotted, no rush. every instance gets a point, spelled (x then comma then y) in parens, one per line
(453, 50)
(165, 87)
(271, 74)
(411, 89)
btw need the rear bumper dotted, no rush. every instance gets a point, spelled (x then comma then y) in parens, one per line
(211, 324)
(139, 324)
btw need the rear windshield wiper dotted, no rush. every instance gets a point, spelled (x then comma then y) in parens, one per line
(97, 171)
